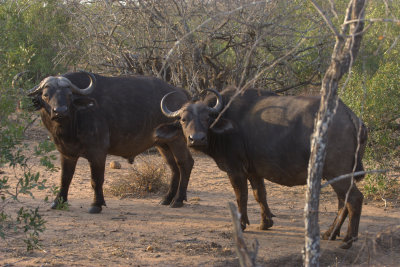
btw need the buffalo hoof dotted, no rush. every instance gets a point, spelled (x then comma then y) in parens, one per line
(54, 205)
(95, 209)
(347, 242)
(327, 236)
(346, 245)
(165, 202)
(176, 204)
(266, 224)
(131, 160)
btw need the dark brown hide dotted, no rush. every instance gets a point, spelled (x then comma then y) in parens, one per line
(268, 136)
(118, 118)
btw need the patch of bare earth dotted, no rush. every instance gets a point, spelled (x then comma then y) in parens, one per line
(140, 232)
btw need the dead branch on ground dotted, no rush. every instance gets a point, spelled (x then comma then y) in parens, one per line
(247, 258)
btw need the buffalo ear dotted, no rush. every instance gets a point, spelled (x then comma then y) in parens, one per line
(167, 132)
(83, 102)
(37, 102)
(223, 126)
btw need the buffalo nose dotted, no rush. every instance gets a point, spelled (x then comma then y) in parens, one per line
(197, 139)
(59, 113)
(60, 110)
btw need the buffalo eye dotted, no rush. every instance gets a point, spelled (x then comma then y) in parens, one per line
(183, 120)
(45, 95)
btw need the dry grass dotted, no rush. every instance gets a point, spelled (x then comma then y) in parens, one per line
(145, 177)
(380, 249)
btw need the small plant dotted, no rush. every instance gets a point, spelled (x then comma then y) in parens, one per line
(61, 204)
(32, 225)
(23, 60)
(13, 152)
(145, 178)
(46, 160)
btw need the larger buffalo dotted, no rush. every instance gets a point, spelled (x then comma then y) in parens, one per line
(268, 136)
(91, 116)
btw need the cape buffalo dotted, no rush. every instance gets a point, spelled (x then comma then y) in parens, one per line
(90, 116)
(263, 135)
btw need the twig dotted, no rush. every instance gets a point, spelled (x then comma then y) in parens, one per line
(384, 200)
(178, 42)
(31, 123)
(350, 175)
(327, 20)
(372, 20)
(248, 83)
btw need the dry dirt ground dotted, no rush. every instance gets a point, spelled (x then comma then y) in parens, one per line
(139, 232)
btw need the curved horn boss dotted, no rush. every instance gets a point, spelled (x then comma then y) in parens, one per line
(35, 90)
(218, 106)
(86, 90)
(174, 114)
(165, 110)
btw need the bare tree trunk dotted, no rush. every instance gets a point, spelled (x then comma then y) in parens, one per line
(345, 51)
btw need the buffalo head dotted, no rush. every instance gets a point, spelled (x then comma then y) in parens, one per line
(59, 96)
(195, 120)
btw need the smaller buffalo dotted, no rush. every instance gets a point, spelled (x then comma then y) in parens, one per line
(92, 116)
(263, 135)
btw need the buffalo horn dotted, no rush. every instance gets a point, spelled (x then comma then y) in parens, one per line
(165, 110)
(35, 90)
(87, 90)
(218, 106)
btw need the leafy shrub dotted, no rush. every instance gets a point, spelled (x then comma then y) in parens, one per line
(29, 37)
(27, 221)
(374, 93)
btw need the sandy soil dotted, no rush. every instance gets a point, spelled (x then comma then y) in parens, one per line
(139, 232)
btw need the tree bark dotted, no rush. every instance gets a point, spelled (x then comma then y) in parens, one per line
(346, 48)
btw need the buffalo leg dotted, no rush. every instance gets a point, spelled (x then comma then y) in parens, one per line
(239, 184)
(175, 177)
(334, 229)
(185, 162)
(260, 194)
(97, 167)
(353, 207)
(68, 166)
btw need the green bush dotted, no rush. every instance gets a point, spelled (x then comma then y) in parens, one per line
(26, 221)
(374, 93)
(29, 32)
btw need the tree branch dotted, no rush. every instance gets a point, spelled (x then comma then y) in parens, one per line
(351, 175)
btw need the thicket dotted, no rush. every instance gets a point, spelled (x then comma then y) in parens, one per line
(374, 93)
(29, 33)
(202, 44)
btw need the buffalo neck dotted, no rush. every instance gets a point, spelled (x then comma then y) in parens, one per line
(65, 130)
